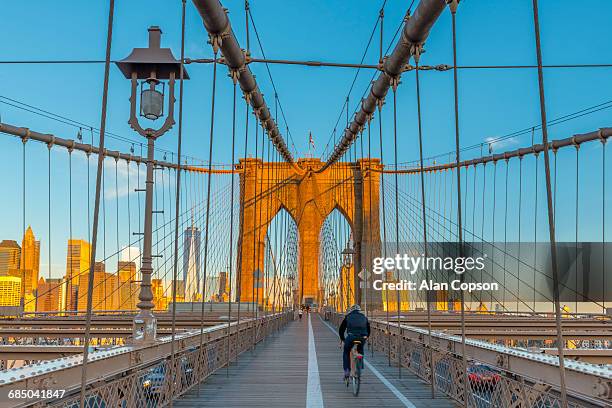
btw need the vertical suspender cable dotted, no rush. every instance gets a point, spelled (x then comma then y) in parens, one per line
(535, 229)
(94, 240)
(103, 193)
(23, 219)
(384, 224)
(365, 297)
(482, 231)
(49, 146)
(551, 216)
(493, 223)
(603, 221)
(177, 202)
(231, 235)
(257, 230)
(254, 307)
(68, 295)
(518, 263)
(117, 232)
(209, 179)
(239, 264)
(399, 323)
(453, 8)
(370, 175)
(576, 227)
(138, 188)
(426, 249)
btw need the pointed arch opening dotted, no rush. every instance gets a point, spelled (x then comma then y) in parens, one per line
(278, 280)
(336, 270)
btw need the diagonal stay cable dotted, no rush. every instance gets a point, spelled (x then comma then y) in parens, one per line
(365, 52)
(272, 81)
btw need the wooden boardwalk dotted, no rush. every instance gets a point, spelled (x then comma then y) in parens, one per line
(282, 372)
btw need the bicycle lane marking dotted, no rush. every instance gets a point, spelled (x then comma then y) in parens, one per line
(314, 396)
(407, 403)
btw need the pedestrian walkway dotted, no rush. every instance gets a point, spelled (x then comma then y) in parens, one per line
(301, 366)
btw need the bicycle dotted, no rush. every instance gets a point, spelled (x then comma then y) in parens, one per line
(356, 367)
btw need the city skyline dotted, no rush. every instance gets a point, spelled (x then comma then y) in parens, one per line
(112, 290)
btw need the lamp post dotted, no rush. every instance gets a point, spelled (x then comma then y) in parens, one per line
(148, 68)
(347, 262)
(291, 279)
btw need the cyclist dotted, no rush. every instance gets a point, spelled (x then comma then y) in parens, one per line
(357, 327)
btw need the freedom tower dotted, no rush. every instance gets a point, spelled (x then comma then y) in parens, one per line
(191, 262)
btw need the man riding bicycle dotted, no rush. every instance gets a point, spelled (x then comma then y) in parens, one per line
(357, 328)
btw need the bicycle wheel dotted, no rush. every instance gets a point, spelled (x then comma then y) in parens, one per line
(356, 378)
(356, 383)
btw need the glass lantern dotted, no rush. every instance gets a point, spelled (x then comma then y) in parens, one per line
(151, 99)
(347, 257)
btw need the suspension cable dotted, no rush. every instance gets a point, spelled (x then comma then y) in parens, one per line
(254, 307)
(426, 249)
(231, 234)
(535, 229)
(239, 264)
(94, 240)
(603, 222)
(453, 7)
(177, 202)
(206, 232)
(551, 217)
(399, 323)
(520, 207)
(577, 204)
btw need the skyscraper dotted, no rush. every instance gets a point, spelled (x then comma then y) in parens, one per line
(29, 263)
(223, 289)
(10, 254)
(128, 289)
(10, 290)
(50, 295)
(104, 293)
(77, 263)
(159, 300)
(180, 291)
(191, 262)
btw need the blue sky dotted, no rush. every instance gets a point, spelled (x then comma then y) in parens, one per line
(493, 102)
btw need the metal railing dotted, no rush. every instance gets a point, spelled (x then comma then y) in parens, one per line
(498, 377)
(151, 378)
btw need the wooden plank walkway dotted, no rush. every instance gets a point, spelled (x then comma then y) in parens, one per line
(276, 374)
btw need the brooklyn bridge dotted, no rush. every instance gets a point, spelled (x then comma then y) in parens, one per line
(167, 239)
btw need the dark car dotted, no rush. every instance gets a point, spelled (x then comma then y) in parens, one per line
(154, 381)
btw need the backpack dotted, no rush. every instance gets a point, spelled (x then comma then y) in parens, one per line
(357, 324)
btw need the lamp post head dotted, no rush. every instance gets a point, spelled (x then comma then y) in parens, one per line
(347, 256)
(152, 66)
(144, 61)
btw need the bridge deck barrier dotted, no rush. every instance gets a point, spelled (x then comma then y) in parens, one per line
(498, 376)
(136, 376)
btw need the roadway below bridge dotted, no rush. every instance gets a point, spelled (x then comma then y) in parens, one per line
(301, 366)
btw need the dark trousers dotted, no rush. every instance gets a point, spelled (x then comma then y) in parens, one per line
(348, 345)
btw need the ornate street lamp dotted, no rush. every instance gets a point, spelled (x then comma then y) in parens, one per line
(347, 256)
(347, 262)
(148, 68)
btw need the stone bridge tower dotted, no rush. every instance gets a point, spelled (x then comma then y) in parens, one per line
(309, 195)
